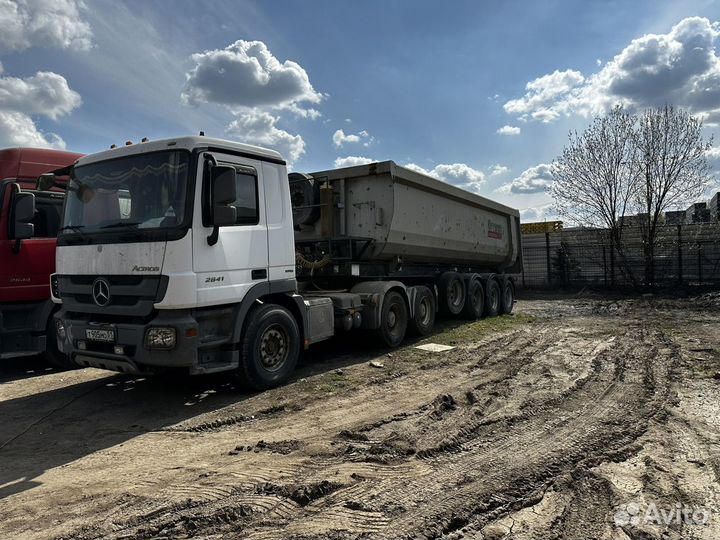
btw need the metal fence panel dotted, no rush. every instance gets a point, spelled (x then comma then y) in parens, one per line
(684, 255)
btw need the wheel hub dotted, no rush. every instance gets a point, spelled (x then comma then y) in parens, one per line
(273, 348)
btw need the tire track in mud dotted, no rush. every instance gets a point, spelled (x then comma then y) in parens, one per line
(446, 466)
(505, 466)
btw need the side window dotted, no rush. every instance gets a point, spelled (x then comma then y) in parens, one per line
(48, 210)
(246, 203)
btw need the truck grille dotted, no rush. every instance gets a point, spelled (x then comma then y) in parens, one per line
(128, 295)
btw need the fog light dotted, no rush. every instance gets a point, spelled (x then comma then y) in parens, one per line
(81, 345)
(60, 329)
(119, 349)
(55, 285)
(160, 338)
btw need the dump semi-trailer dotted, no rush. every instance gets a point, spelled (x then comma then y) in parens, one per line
(203, 254)
(29, 222)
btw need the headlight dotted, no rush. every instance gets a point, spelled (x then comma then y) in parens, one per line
(160, 338)
(60, 329)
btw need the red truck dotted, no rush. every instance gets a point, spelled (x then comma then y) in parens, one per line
(29, 222)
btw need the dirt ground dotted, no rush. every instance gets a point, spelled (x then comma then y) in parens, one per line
(573, 418)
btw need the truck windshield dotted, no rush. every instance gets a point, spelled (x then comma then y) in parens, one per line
(145, 191)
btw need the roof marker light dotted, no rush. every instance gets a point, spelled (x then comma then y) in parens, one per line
(202, 133)
(144, 139)
(128, 143)
(113, 146)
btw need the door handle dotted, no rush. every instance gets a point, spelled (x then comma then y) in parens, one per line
(259, 274)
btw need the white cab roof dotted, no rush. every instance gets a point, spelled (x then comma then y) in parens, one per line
(186, 143)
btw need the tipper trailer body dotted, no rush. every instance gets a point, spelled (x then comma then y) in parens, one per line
(203, 254)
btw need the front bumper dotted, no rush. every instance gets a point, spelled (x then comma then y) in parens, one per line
(22, 328)
(135, 357)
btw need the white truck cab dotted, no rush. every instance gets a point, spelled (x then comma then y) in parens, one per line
(164, 245)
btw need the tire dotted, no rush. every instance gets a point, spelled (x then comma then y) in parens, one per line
(475, 301)
(451, 288)
(423, 318)
(507, 299)
(393, 320)
(492, 298)
(52, 354)
(304, 196)
(270, 347)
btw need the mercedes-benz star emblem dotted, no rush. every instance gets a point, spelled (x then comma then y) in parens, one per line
(101, 292)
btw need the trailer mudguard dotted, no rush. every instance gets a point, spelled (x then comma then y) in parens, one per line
(372, 294)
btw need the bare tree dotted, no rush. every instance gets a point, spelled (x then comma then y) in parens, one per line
(672, 167)
(596, 177)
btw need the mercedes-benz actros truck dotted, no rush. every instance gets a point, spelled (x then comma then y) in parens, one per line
(204, 254)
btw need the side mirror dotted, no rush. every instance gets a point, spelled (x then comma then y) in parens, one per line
(22, 212)
(224, 193)
(45, 181)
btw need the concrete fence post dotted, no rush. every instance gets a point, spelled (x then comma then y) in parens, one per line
(547, 255)
(680, 261)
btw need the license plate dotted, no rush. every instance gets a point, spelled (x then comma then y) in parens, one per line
(100, 335)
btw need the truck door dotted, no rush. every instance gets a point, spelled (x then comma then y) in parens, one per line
(239, 260)
(24, 275)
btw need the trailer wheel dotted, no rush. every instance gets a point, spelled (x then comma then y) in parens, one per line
(52, 354)
(452, 293)
(423, 313)
(270, 347)
(508, 297)
(393, 319)
(475, 302)
(492, 298)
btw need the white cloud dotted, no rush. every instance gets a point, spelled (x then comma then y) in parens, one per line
(680, 67)
(457, 174)
(508, 130)
(497, 170)
(43, 94)
(543, 212)
(339, 138)
(43, 23)
(713, 153)
(352, 161)
(255, 87)
(18, 129)
(533, 180)
(259, 127)
(245, 74)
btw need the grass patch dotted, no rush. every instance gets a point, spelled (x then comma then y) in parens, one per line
(473, 331)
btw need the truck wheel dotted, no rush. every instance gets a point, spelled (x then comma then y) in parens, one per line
(270, 347)
(508, 297)
(492, 298)
(452, 293)
(393, 319)
(475, 301)
(52, 354)
(423, 313)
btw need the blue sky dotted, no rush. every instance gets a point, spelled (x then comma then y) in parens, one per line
(481, 94)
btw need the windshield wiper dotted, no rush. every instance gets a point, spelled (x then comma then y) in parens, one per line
(131, 224)
(71, 228)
